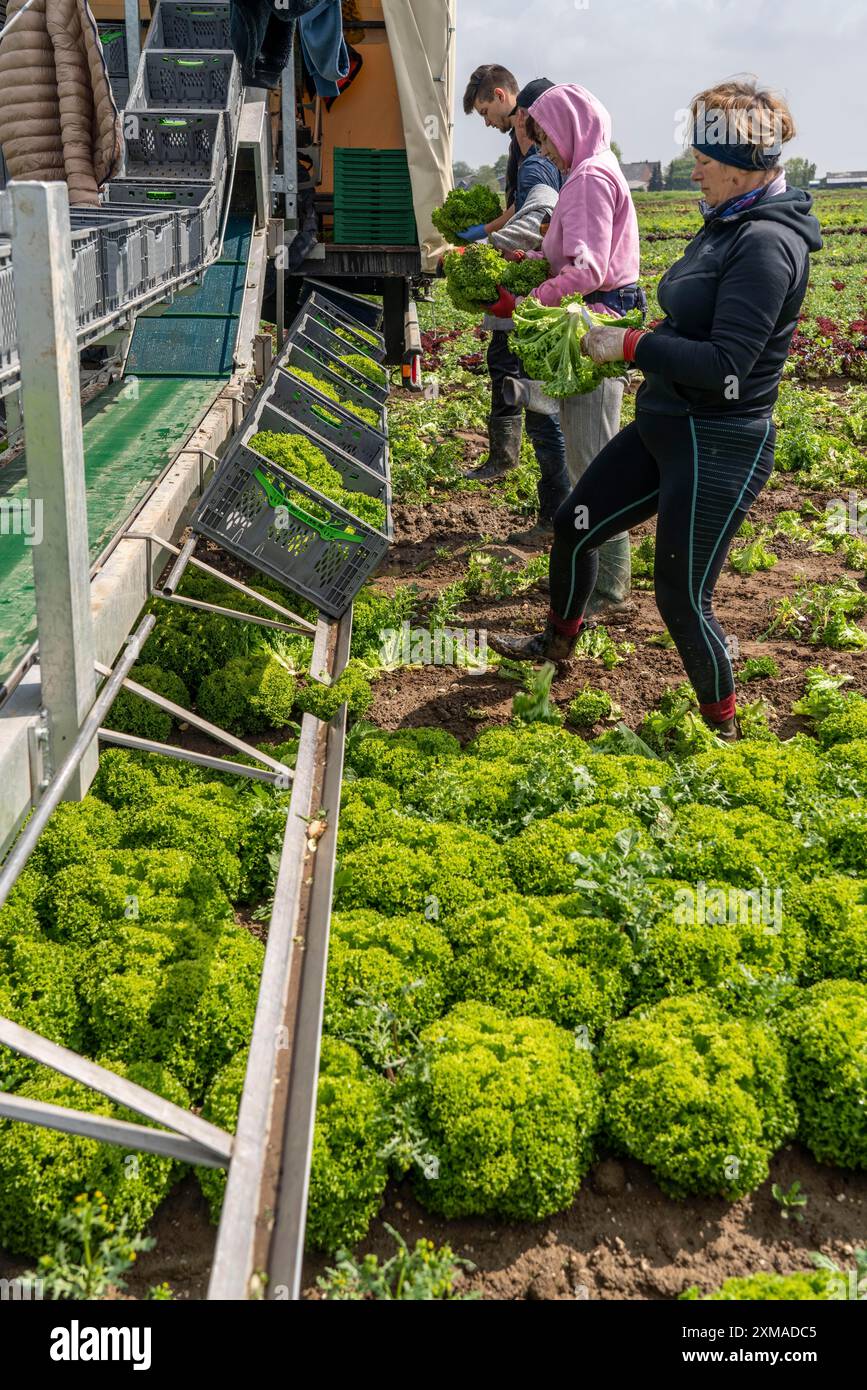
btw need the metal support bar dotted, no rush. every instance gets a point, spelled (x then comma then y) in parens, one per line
(133, 39)
(48, 353)
(231, 613)
(185, 755)
(116, 1088)
(303, 624)
(184, 556)
(187, 716)
(290, 147)
(109, 1131)
(281, 1044)
(26, 842)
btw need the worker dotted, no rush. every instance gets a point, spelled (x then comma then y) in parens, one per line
(701, 447)
(592, 247)
(493, 92)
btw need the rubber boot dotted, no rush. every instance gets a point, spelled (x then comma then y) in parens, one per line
(614, 581)
(729, 731)
(504, 437)
(549, 645)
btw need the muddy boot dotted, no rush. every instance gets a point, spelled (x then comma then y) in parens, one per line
(729, 730)
(614, 580)
(549, 645)
(504, 435)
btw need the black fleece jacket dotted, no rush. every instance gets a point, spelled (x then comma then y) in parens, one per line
(731, 306)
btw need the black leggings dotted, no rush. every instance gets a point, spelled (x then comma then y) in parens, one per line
(701, 475)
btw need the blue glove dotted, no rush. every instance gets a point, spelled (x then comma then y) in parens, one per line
(473, 233)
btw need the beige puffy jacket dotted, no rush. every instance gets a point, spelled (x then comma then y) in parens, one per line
(58, 118)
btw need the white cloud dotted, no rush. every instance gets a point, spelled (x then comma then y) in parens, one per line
(646, 58)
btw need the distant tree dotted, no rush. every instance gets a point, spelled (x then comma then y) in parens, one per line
(462, 170)
(677, 175)
(486, 175)
(799, 172)
(656, 184)
(617, 150)
(501, 165)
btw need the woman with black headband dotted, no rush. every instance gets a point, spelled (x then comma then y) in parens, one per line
(701, 447)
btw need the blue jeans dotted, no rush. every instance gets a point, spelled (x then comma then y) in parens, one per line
(620, 301)
(542, 430)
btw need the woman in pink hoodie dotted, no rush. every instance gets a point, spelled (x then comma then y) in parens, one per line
(592, 248)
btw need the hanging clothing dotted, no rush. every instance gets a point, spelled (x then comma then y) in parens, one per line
(324, 47)
(261, 33)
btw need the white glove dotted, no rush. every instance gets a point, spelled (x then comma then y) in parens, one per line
(604, 344)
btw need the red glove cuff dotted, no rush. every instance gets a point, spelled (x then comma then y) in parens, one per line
(504, 307)
(631, 340)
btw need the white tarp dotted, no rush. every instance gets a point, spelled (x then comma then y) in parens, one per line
(421, 36)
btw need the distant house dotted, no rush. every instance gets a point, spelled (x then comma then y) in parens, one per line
(856, 178)
(501, 182)
(463, 183)
(639, 176)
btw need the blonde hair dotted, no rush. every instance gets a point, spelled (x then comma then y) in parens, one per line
(751, 114)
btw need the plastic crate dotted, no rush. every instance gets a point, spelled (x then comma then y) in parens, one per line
(357, 477)
(113, 40)
(122, 264)
(354, 339)
(300, 352)
(175, 145)
(8, 322)
(315, 331)
(325, 561)
(87, 275)
(160, 250)
(195, 206)
(178, 25)
(323, 417)
(181, 80)
(345, 306)
(349, 231)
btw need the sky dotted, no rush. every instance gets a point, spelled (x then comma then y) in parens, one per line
(645, 58)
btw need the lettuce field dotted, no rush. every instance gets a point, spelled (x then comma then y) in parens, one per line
(596, 1006)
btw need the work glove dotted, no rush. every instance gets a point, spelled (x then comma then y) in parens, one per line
(475, 233)
(604, 344)
(504, 307)
(514, 255)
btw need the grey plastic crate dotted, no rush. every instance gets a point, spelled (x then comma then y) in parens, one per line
(321, 416)
(365, 311)
(267, 415)
(183, 80)
(196, 208)
(113, 40)
(299, 351)
(336, 317)
(160, 249)
(325, 561)
(169, 145)
(122, 263)
(8, 322)
(313, 329)
(179, 25)
(86, 271)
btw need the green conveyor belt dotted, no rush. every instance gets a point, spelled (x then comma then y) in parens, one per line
(132, 429)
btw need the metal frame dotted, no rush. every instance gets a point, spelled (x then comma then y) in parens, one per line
(265, 1204)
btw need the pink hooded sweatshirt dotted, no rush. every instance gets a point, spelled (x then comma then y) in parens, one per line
(592, 243)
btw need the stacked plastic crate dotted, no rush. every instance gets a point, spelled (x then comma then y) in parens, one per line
(373, 198)
(280, 524)
(180, 125)
(112, 36)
